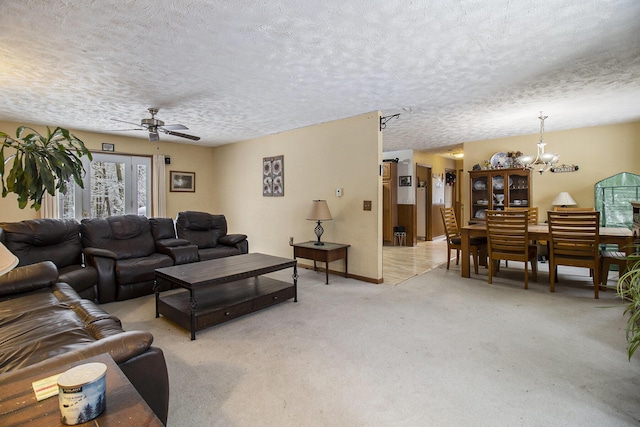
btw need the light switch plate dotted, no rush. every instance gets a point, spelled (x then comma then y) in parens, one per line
(339, 192)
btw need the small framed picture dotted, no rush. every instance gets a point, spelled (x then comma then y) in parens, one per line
(183, 181)
(108, 147)
(405, 181)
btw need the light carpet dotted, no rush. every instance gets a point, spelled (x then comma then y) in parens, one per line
(435, 350)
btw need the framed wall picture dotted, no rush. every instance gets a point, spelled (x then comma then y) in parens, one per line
(108, 147)
(273, 176)
(183, 181)
(405, 181)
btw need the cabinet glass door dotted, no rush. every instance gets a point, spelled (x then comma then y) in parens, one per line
(480, 196)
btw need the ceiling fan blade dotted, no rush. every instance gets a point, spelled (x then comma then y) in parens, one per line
(123, 130)
(175, 127)
(124, 121)
(182, 135)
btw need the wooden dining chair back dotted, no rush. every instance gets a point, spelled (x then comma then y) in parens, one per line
(574, 239)
(454, 240)
(508, 239)
(532, 213)
(572, 209)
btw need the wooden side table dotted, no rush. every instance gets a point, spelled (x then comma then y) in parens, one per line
(324, 253)
(125, 406)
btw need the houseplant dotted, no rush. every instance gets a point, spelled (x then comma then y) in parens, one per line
(41, 163)
(629, 290)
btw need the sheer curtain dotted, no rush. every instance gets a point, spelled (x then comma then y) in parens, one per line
(49, 207)
(159, 187)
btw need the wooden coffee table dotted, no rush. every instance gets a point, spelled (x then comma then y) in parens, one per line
(223, 289)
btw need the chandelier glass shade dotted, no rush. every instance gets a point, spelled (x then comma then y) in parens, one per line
(542, 158)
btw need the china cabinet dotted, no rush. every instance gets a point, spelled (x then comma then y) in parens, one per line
(497, 188)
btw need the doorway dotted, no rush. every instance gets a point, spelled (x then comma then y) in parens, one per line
(424, 229)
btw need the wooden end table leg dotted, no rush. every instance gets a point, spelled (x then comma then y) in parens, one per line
(326, 271)
(346, 263)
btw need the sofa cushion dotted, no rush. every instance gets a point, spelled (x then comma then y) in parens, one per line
(37, 325)
(135, 270)
(35, 240)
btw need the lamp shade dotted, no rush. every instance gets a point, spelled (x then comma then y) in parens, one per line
(319, 211)
(563, 199)
(7, 260)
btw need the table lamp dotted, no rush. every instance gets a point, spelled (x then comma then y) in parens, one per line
(563, 199)
(319, 212)
(7, 260)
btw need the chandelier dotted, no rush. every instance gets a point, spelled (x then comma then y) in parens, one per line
(545, 160)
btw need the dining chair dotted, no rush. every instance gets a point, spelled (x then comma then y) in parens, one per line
(574, 239)
(454, 240)
(508, 239)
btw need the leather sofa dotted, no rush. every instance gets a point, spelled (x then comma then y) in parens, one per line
(56, 240)
(209, 233)
(114, 258)
(45, 324)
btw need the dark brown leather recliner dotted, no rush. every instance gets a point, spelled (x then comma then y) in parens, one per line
(56, 240)
(209, 233)
(123, 251)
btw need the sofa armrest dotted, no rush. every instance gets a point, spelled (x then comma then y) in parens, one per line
(99, 252)
(28, 278)
(104, 261)
(181, 251)
(238, 241)
(232, 239)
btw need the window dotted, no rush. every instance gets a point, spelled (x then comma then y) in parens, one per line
(113, 185)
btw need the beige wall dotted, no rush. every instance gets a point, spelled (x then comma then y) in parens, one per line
(599, 152)
(317, 159)
(184, 157)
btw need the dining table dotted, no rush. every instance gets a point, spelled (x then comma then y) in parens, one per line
(621, 236)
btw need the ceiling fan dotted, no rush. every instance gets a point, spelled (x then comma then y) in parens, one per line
(155, 126)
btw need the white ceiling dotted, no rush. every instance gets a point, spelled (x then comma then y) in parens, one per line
(231, 70)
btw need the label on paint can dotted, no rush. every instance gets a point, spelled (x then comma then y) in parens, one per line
(82, 393)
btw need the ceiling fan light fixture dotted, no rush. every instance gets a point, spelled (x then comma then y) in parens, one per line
(154, 136)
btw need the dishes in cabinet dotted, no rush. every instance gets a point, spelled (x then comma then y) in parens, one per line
(479, 185)
(483, 202)
(480, 214)
(498, 183)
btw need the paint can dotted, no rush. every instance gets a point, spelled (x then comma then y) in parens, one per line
(82, 393)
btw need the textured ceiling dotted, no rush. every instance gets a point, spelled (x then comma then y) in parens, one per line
(456, 71)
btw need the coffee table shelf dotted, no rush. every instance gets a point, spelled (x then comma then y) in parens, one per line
(223, 289)
(225, 302)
